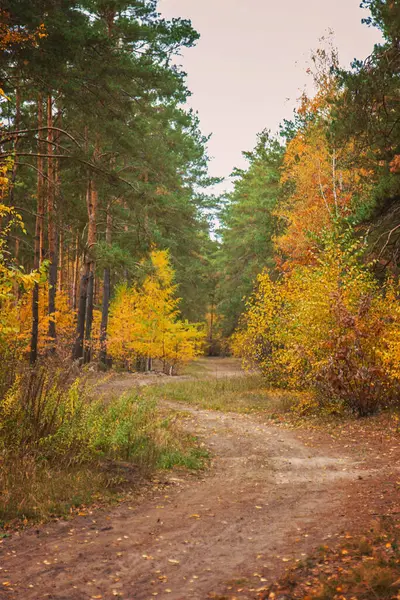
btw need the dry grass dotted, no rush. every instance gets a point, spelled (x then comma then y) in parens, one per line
(237, 394)
(35, 491)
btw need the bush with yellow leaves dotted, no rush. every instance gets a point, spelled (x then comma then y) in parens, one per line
(328, 327)
(64, 318)
(15, 284)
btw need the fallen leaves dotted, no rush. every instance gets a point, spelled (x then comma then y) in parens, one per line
(367, 567)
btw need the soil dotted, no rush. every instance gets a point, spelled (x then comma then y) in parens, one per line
(271, 496)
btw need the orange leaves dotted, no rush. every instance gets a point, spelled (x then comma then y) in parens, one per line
(365, 568)
(324, 184)
(395, 164)
(11, 36)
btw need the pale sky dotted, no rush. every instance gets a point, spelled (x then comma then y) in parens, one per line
(248, 68)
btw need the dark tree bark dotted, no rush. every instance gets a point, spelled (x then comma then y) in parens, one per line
(52, 227)
(75, 275)
(106, 294)
(104, 315)
(35, 325)
(17, 123)
(38, 243)
(85, 308)
(62, 263)
(92, 233)
(87, 355)
(80, 327)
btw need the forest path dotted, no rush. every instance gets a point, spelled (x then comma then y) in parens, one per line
(267, 500)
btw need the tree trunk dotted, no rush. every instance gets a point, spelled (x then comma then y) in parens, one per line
(87, 355)
(211, 344)
(106, 294)
(16, 287)
(52, 228)
(92, 233)
(16, 127)
(104, 315)
(80, 327)
(62, 256)
(75, 275)
(38, 243)
(85, 308)
(63, 264)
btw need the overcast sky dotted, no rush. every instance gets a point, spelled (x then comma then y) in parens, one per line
(249, 67)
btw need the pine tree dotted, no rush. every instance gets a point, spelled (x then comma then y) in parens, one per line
(248, 227)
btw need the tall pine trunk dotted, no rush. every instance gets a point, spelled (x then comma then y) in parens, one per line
(52, 227)
(92, 238)
(17, 123)
(75, 275)
(85, 308)
(39, 233)
(62, 263)
(80, 326)
(106, 294)
(87, 355)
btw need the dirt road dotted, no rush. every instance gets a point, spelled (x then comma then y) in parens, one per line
(267, 500)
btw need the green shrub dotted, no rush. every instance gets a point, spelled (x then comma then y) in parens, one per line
(57, 441)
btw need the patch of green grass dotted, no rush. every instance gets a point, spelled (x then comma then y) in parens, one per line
(193, 459)
(195, 368)
(202, 368)
(237, 394)
(101, 451)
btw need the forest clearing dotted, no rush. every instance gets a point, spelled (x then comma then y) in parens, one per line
(199, 358)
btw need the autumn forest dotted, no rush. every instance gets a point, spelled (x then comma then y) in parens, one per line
(121, 265)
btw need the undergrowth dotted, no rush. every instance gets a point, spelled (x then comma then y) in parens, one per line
(249, 394)
(61, 447)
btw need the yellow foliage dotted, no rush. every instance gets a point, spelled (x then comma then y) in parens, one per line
(19, 320)
(13, 280)
(326, 326)
(144, 321)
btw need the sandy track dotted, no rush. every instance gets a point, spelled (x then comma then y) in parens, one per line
(267, 498)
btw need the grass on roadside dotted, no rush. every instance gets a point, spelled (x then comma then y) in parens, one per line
(237, 394)
(34, 490)
(60, 448)
(249, 394)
